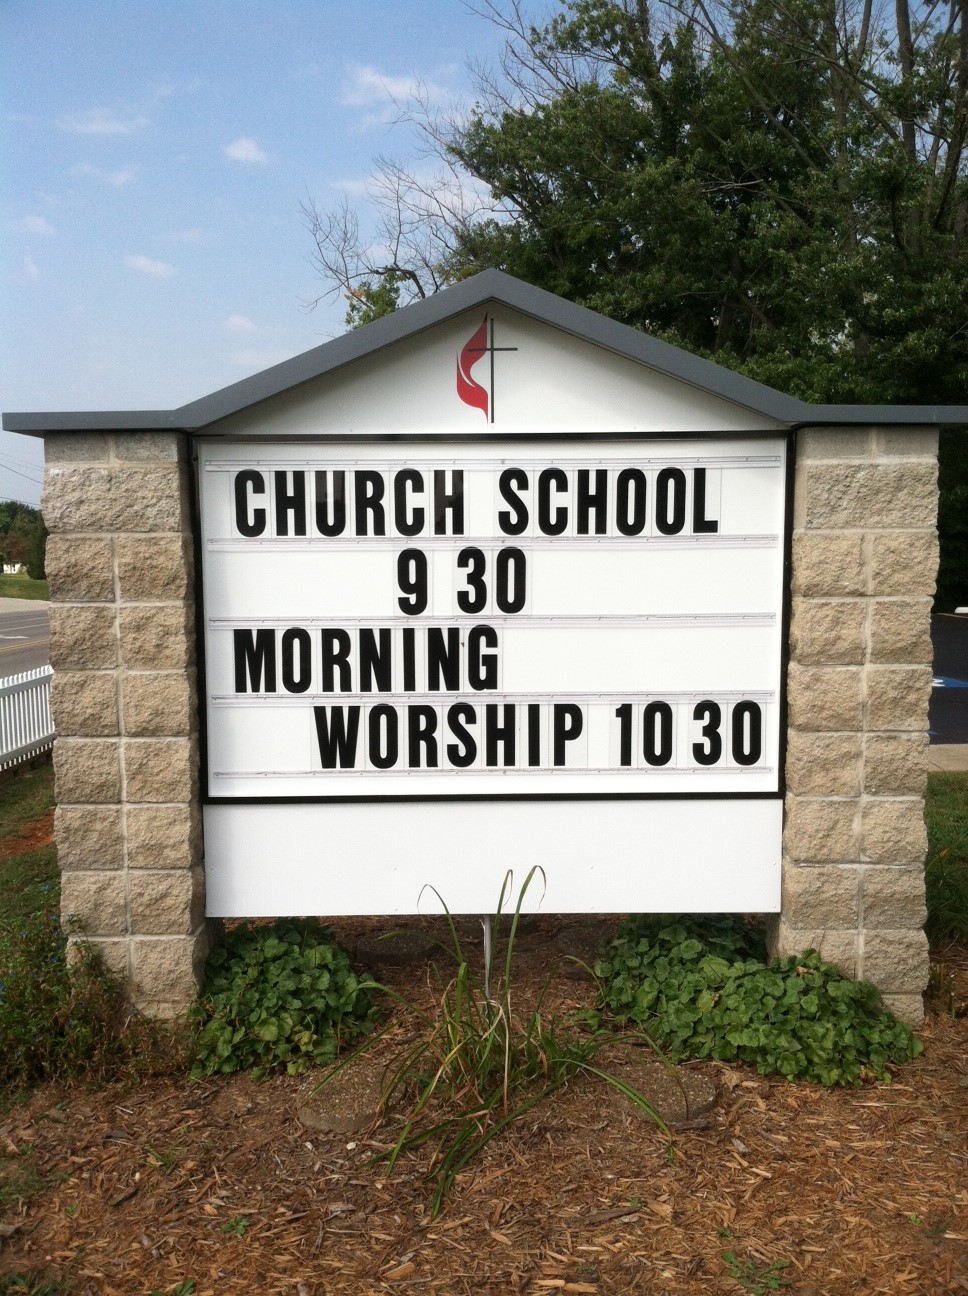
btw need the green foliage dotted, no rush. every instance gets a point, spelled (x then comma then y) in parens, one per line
(23, 537)
(237, 1225)
(57, 1021)
(757, 1279)
(953, 520)
(283, 995)
(477, 1067)
(701, 991)
(749, 185)
(65, 1021)
(946, 871)
(14, 1284)
(370, 301)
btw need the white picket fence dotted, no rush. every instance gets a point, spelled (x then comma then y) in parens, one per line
(26, 727)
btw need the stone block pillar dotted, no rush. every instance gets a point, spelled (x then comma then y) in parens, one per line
(128, 830)
(864, 562)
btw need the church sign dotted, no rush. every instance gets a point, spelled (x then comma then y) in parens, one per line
(482, 610)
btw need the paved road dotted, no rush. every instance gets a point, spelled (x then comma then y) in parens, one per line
(24, 636)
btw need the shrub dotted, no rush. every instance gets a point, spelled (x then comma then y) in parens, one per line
(700, 990)
(60, 1021)
(277, 996)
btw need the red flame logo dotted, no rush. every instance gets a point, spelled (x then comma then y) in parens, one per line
(471, 392)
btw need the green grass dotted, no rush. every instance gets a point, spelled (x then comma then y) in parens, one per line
(56, 1021)
(946, 872)
(22, 587)
(29, 881)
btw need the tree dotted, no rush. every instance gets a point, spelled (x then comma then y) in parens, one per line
(780, 186)
(23, 537)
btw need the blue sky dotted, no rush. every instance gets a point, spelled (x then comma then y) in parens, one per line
(154, 158)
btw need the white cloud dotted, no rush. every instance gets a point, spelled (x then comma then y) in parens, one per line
(260, 358)
(101, 121)
(34, 225)
(386, 96)
(117, 178)
(146, 265)
(239, 324)
(245, 150)
(30, 268)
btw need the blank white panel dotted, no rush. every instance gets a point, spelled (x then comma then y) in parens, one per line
(597, 856)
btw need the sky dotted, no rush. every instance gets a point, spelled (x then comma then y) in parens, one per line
(154, 157)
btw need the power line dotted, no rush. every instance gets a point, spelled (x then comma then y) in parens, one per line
(38, 481)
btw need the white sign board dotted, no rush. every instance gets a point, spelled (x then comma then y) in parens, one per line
(573, 621)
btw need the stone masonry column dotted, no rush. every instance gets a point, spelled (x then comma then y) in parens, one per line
(128, 830)
(864, 562)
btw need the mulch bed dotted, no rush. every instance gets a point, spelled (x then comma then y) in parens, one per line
(861, 1191)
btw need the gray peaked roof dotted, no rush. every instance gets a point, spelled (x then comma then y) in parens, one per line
(490, 286)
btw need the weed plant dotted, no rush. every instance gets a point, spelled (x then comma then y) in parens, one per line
(279, 996)
(476, 1067)
(702, 990)
(61, 1021)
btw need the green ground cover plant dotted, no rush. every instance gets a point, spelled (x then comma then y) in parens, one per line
(278, 996)
(946, 871)
(701, 988)
(15, 585)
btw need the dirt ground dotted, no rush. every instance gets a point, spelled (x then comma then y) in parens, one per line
(858, 1191)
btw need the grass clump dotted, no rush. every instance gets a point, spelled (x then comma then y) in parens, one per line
(63, 1020)
(702, 990)
(946, 870)
(279, 996)
(477, 1066)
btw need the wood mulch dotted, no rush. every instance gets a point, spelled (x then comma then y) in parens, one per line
(859, 1191)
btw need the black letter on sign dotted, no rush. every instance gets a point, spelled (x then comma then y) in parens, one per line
(421, 728)
(712, 714)
(551, 524)
(384, 745)
(376, 663)
(443, 658)
(336, 652)
(448, 502)
(567, 726)
(630, 501)
(338, 524)
(459, 715)
(495, 734)
(293, 502)
(474, 598)
(258, 523)
(296, 680)
(255, 656)
(337, 731)
(511, 480)
(511, 585)
(412, 525)
(369, 487)
(481, 667)
(591, 500)
(412, 579)
(670, 501)
(657, 733)
(700, 522)
(747, 747)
